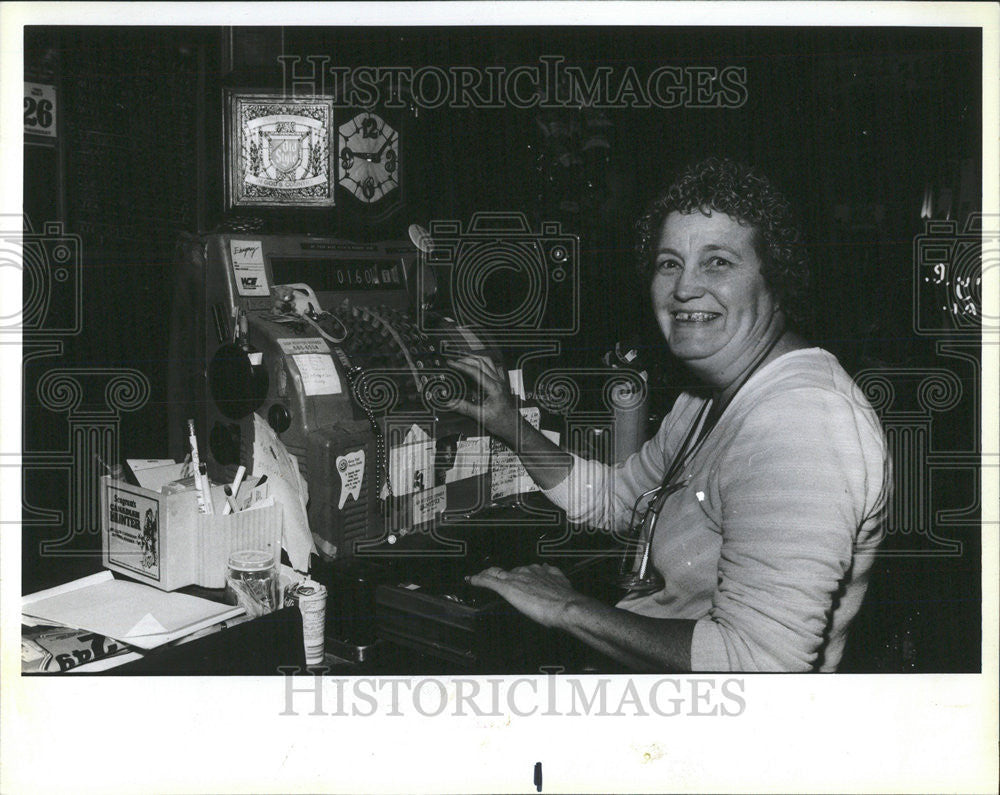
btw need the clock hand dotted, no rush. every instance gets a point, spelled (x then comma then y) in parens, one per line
(371, 157)
(378, 155)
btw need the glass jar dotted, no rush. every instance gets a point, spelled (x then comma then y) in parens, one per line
(252, 581)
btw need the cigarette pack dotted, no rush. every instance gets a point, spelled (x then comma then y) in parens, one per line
(163, 541)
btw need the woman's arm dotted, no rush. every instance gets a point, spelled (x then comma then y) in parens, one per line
(544, 594)
(801, 474)
(590, 492)
(546, 462)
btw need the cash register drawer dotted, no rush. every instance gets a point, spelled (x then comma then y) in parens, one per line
(483, 636)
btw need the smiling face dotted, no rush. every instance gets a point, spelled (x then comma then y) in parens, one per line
(713, 305)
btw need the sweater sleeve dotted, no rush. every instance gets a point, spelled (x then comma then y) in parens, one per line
(794, 490)
(602, 496)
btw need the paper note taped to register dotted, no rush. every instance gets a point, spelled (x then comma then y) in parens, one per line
(472, 458)
(319, 373)
(286, 484)
(248, 267)
(509, 476)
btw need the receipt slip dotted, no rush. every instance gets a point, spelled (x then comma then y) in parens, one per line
(508, 476)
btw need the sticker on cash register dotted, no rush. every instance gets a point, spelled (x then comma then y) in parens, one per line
(319, 374)
(133, 531)
(248, 267)
(428, 504)
(303, 345)
(351, 468)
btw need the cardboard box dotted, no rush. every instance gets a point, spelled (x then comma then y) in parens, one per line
(163, 541)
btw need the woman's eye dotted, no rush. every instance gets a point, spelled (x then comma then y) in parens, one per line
(718, 262)
(667, 264)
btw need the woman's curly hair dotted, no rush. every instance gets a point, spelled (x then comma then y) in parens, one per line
(723, 185)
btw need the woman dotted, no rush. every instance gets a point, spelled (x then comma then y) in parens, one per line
(774, 486)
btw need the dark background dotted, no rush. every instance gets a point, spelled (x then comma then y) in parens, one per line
(855, 125)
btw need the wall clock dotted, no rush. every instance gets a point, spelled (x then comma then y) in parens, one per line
(370, 164)
(369, 157)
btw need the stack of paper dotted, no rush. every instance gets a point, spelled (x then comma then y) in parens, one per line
(127, 611)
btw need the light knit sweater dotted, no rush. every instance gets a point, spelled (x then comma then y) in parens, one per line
(769, 546)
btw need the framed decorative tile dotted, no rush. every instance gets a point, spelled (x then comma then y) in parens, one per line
(279, 151)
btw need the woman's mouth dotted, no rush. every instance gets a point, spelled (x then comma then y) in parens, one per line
(694, 317)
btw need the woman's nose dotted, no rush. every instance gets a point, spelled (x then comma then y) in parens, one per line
(688, 285)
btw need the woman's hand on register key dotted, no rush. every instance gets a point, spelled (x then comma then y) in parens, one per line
(546, 462)
(496, 409)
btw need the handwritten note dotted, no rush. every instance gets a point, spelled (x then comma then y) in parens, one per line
(319, 374)
(472, 457)
(509, 476)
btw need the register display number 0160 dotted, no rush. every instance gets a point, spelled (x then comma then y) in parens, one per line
(372, 276)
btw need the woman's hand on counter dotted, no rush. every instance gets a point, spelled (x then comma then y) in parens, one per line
(544, 594)
(540, 591)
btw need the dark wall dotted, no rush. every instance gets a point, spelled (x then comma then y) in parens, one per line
(855, 124)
